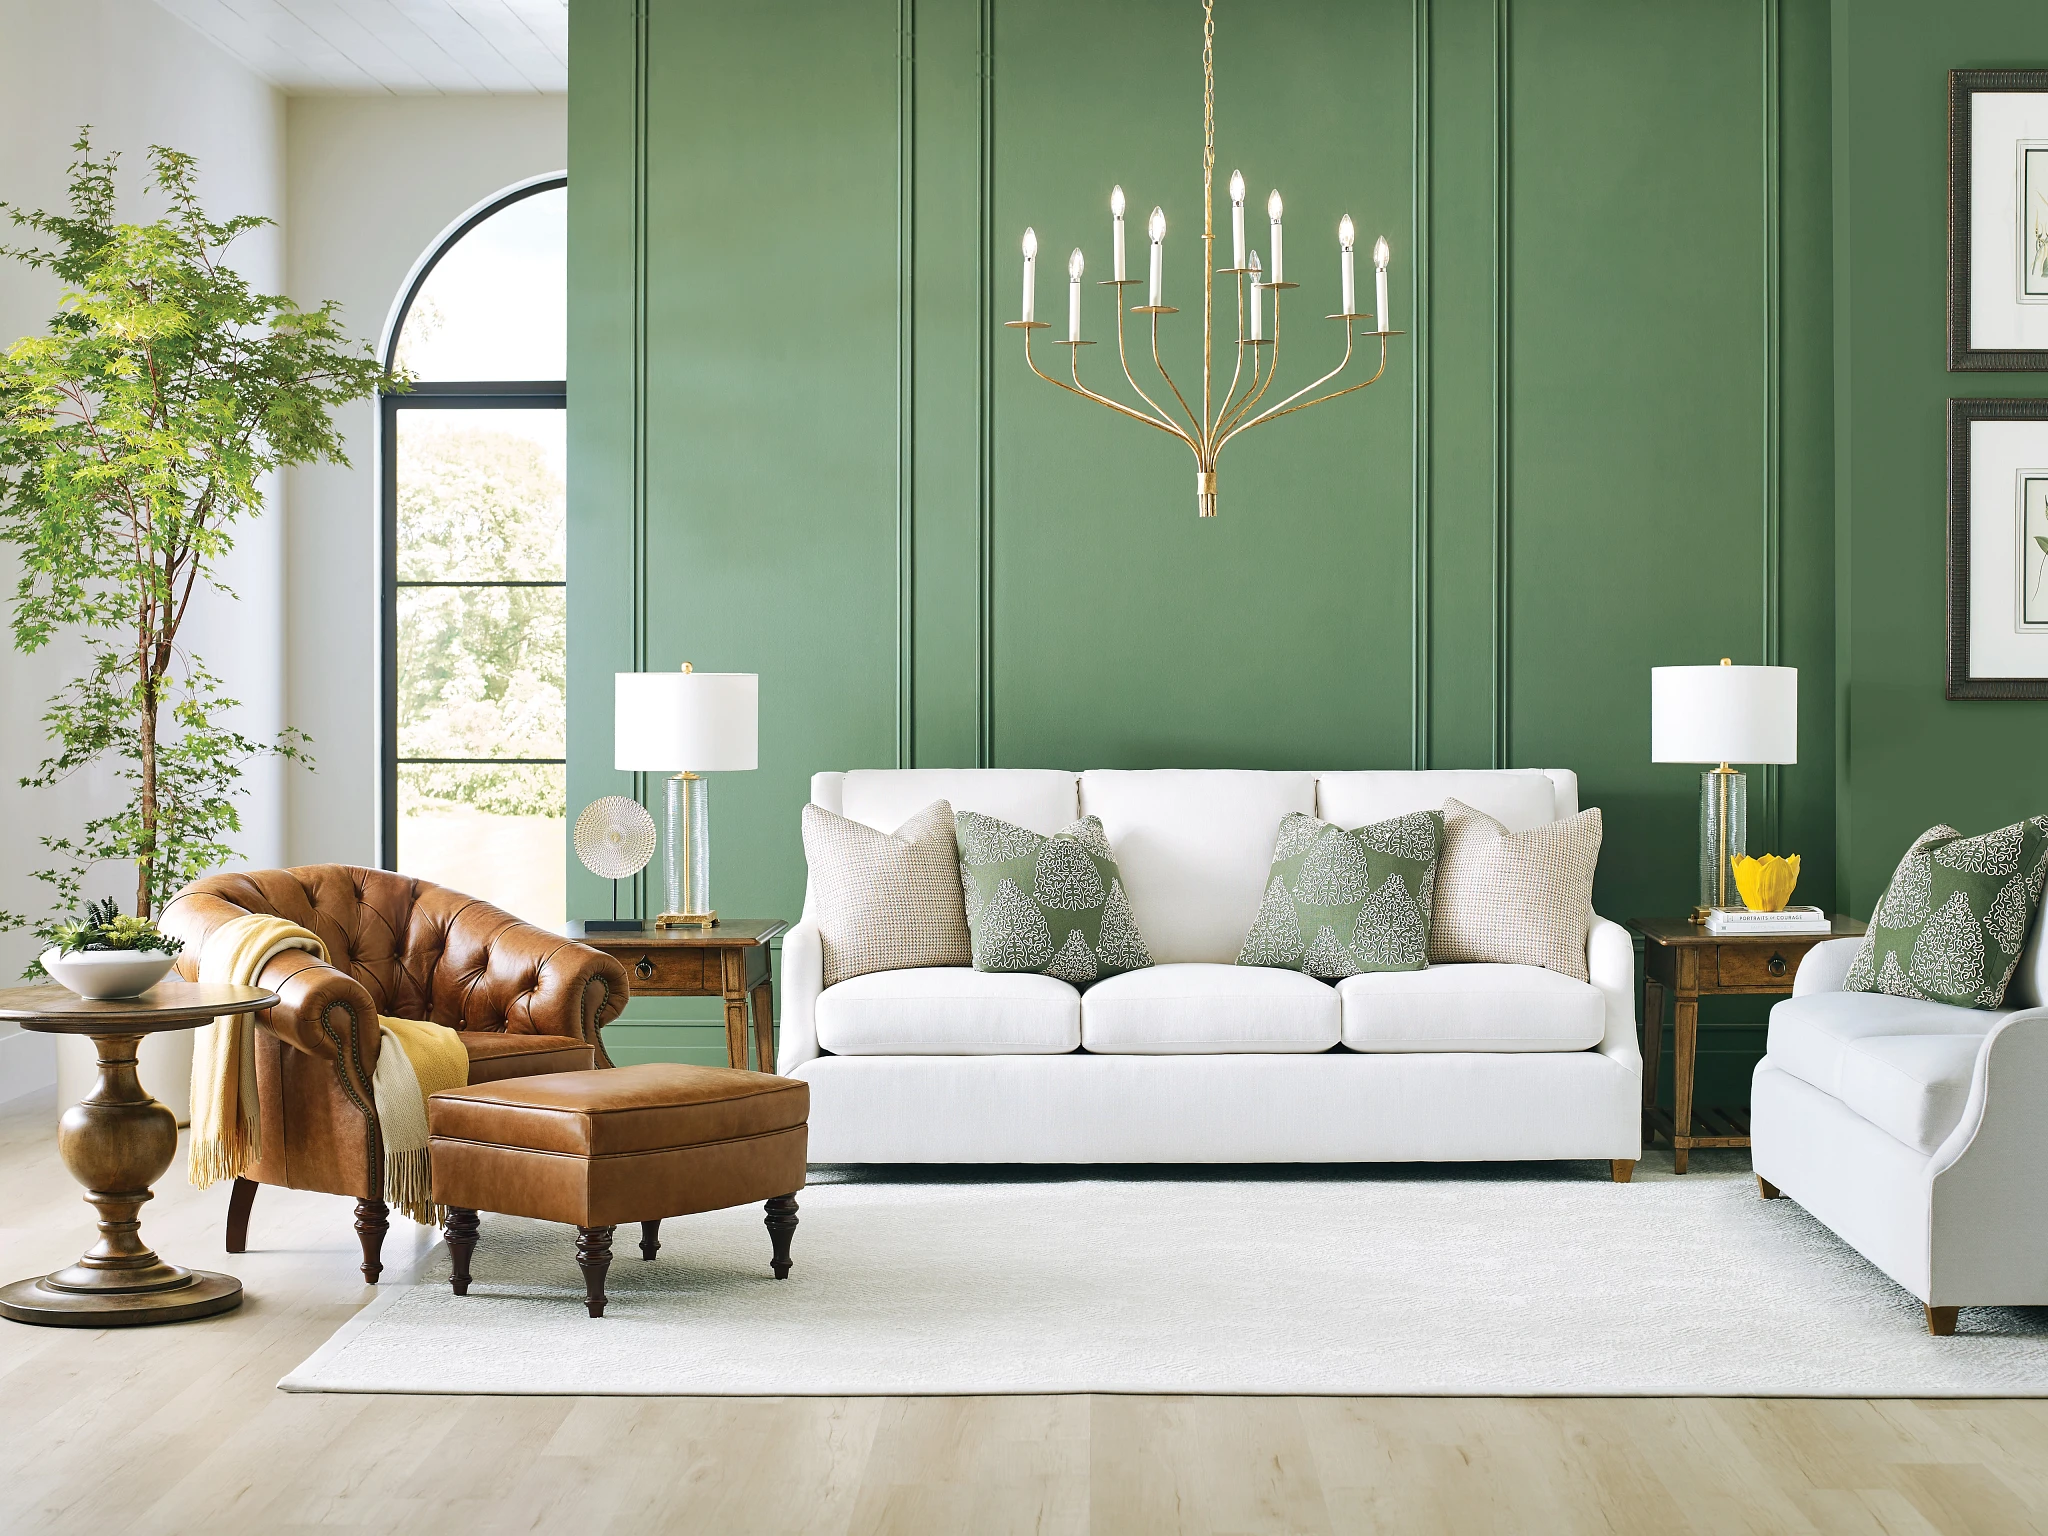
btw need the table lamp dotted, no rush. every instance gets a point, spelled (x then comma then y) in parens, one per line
(686, 724)
(1725, 714)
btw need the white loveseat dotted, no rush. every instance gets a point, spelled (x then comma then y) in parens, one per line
(1198, 1059)
(1916, 1131)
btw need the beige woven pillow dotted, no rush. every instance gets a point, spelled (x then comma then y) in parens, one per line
(886, 901)
(1514, 898)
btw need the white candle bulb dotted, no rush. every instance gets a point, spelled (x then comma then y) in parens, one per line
(1030, 273)
(1237, 219)
(1382, 317)
(1156, 228)
(1116, 225)
(1273, 213)
(1076, 265)
(1347, 236)
(1258, 298)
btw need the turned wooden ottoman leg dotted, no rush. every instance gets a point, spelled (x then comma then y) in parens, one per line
(459, 1228)
(594, 1253)
(781, 1224)
(373, 1220)
(650, 1239)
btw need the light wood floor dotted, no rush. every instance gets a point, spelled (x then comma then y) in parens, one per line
(181, 1428)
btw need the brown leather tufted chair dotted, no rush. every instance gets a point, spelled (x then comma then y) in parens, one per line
(525, 1000)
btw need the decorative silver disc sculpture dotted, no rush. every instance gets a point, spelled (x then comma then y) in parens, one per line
(614, 839)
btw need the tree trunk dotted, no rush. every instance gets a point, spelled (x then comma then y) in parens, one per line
(148, 850)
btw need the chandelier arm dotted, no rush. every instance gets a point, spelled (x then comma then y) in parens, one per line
(1200, 430)
(1237, 369)
(1078, 388)
(1288, 408)
(1160, 416)
(1259, 387)
(1206, 428)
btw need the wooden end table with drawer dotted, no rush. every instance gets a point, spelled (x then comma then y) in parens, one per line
(730, 960)
(1682, 958)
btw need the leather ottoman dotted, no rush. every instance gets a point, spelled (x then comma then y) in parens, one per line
(593, 1149)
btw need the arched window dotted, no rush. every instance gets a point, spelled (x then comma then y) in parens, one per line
(475, 622)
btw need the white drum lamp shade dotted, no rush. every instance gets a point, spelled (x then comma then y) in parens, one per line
(686, 722)
(1724, 714)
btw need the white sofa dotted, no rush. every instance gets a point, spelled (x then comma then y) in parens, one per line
(1916, 1131)
(1199, 1060)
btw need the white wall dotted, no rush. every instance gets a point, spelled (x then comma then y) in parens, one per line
(372, 180)
(138, 76)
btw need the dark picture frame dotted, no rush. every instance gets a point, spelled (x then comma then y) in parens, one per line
(1958, 679)
(1964, 85)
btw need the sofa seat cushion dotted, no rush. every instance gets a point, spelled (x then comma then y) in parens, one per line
(1481, 1007)
(1201, 1009)
(1901, 1063)
(949, 1011)
(495, 1056)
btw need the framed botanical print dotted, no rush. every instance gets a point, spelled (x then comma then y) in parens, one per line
(1997, 549)
(1997, 219)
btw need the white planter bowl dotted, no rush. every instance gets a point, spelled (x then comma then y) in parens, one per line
(105, 974)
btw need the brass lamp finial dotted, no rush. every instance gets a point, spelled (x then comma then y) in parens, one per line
(688, 668)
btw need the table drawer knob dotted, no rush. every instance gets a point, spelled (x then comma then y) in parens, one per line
(1775, 965)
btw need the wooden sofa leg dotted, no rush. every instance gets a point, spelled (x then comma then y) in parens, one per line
(781, 1224)
(1624, 1169)
(1767, 1190)
(459, 1228)
(240, 1198)
(1941, 1321)
(373, 1220)
(594, 1253)
(650, 1239)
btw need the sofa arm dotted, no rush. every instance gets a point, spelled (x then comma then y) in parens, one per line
(1611, 966)
(803, 978)
(1825, 966)
(1989, 1238)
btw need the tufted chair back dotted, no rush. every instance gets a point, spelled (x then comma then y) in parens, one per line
(420, 950)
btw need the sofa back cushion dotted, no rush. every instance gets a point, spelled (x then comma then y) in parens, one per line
(1043, 799)
(1517, 798)
(1194, 847)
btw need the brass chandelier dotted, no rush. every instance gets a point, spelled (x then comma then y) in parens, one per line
(1219, 421)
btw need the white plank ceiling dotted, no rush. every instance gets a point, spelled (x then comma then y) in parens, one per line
(445, 47)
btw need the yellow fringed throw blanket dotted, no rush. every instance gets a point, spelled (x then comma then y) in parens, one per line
(226, 1129)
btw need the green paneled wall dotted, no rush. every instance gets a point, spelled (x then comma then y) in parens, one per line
(802, 444)
(1911, 758)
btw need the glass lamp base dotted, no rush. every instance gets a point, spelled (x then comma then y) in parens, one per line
(1724, 836)
(686, 854)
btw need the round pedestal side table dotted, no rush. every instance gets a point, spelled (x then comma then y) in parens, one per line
(117, 1142)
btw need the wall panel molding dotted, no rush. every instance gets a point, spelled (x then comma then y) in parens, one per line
(1503, 384)
(1772, 821)
(985, 477)
(1420, 338)
(906, 384)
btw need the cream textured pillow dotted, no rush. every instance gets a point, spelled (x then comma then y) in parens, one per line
(886, 901)
(1514, 898)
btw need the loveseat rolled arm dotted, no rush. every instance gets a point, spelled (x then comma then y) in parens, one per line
(803, 978)
(1611, 967)
(1825, 967)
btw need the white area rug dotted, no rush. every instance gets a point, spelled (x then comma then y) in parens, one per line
(1397, 1282)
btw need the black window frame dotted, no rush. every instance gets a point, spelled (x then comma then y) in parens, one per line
(438, 395)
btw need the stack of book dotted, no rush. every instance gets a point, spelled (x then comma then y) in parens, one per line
(1735, 922)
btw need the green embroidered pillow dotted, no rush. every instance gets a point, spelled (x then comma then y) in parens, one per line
(1340, 903)
(1054, 905)
(1955, 917)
